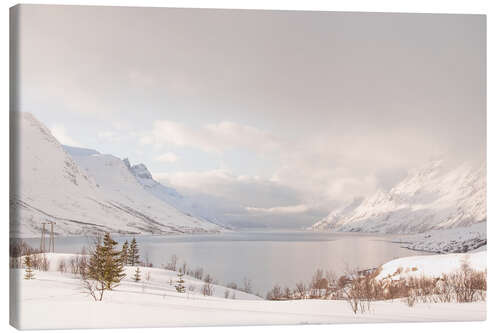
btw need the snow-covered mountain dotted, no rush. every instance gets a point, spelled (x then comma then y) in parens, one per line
(433, 197)
(83, 192)
(105, 168)
(171, 196)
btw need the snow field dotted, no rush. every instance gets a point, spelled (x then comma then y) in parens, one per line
(55, 300)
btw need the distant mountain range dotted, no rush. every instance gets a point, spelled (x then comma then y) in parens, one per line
(84, 191)
(432, 197)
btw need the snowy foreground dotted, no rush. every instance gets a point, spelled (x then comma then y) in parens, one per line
(55, 300)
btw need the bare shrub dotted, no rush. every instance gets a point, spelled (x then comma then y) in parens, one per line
(61, 267)
(73, 265)
(422, 289)
(192, 287)
(39, 261)
(318, 283)
(15, 262)
(301, 290)
(83, 262)
(226, 293)
(469, 285)
(183, 269)
(332, 290)
(275, 293)
(172, 264)
(93, 288)
(462, 286)
(45, 263)
(19, 248)
(198, 273)
(288, 293)
(247, 285)
(77, 264)
(207, 288)
(411, 299)
(232, 285)
(146, 262)
(360, 290)
(444, 290)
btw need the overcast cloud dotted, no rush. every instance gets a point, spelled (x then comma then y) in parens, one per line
(277, 116)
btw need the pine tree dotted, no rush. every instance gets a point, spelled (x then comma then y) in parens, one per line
(28, 263)
(124, 253)
(105, 263)
(180, 283)
(137, 275)
(133, 253)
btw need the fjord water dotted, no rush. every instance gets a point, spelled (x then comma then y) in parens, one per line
(265, 257)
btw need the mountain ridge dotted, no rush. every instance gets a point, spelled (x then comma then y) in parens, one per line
(49, 184)
(431, 197)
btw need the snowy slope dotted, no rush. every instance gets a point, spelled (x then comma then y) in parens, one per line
(118, 182)
(77, 151)
(159, 278)
(433, 197)
(50, 186)
(431, 266)
(171, 196)
(107, 169)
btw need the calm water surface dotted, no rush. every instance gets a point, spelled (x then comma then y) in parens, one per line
(265, 257)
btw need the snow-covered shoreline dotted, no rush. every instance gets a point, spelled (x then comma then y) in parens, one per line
(457, 240)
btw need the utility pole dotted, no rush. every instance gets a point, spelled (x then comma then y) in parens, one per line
(51, 239)
(42, 240)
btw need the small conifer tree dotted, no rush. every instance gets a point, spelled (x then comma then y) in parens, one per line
(137, 275)
(180, 283)
(105, 263)
(133, 253)
(28, 263)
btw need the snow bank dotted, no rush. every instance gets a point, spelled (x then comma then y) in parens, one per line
(431, 266)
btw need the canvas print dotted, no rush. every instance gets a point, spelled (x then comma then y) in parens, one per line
(200, 167)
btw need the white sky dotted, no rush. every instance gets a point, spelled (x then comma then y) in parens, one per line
(279, 115)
